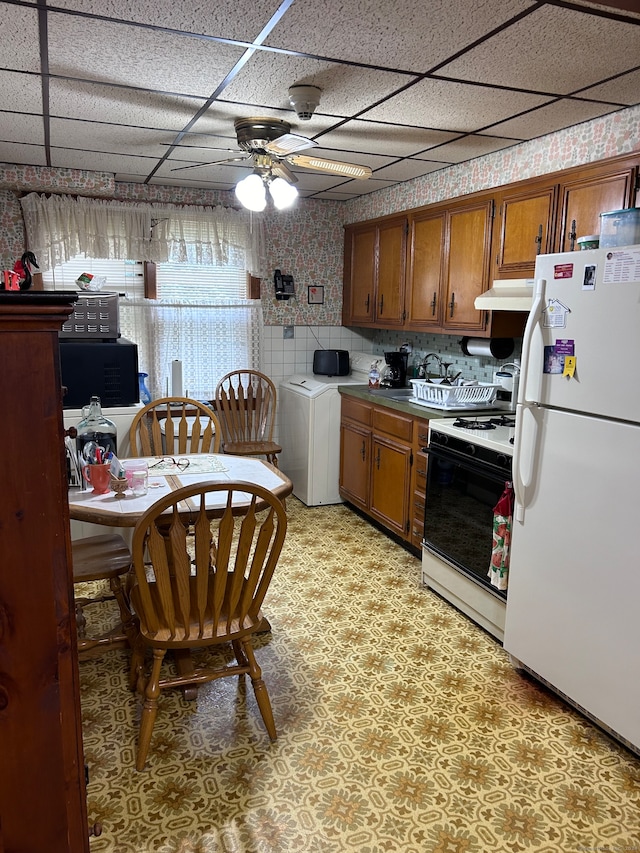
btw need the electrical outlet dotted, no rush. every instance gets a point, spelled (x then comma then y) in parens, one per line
(288, 332)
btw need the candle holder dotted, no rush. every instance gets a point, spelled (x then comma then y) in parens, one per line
(119, 485)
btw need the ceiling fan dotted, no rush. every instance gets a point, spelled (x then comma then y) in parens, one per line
(269, 143)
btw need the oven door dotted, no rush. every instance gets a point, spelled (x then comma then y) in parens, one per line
(458, 516)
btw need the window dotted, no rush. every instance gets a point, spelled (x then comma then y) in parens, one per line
(201, 316)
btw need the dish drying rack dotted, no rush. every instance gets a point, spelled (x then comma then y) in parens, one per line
(452, 396)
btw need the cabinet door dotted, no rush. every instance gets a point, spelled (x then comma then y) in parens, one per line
(390, 478)
(423, 297)
(355, 456)
(392, 242)
(582, 202)
(526, 231)
(467, 265)
(361, 282)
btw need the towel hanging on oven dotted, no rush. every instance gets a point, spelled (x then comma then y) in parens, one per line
(502, 520)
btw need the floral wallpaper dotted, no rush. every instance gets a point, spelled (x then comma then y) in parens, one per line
(306, 242)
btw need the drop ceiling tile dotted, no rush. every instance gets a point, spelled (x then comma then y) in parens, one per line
(391, 140)
(316, 181)
(370, 186)
(95, 102)
(229, 173)
(405, 170)
(400, 35)
(233, 19)
(551, 118)
(111, 138)
(266, 77)
(70, 158)
(552, 50)
(453, 106)
(133, 56)
(622, 90)
(15, 127)
(20, 92)
(334, 195)
(19, 45)
(18, 152)
(205, 154)
(469, 147)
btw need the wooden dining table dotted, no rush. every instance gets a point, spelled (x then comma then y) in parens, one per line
(167, 474)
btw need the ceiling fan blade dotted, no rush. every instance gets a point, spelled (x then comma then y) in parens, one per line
(212, 163)
(289, 143)
(347, 170)
(281, 170)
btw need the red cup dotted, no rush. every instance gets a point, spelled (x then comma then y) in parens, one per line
(98, 476)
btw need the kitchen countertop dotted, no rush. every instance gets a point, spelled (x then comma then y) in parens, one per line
(362, 392)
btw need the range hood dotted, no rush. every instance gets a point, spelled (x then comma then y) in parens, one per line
(512, 294)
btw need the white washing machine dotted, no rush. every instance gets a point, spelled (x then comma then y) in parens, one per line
(309, 418)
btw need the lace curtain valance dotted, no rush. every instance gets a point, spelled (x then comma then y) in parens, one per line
(60, 227)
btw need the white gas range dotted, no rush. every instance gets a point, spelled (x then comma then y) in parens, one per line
(469, 467)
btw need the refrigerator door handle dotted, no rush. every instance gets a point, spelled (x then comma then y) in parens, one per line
(526, 422)
(532, 324)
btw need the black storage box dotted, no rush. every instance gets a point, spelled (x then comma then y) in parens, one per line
(331, 362)
(105, 369)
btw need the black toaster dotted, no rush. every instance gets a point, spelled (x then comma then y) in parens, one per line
(331, 362)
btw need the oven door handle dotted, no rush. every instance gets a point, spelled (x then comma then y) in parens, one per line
(469, 463)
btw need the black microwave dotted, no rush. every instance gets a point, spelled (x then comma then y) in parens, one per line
(105, 369)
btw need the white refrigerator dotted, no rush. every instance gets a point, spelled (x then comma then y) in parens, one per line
(573, 607)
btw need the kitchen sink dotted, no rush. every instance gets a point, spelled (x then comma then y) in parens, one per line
(394, 393)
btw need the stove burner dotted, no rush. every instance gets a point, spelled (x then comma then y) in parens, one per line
(465, 423)
(490, 423)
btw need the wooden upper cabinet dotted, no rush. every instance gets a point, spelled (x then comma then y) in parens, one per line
(424, 286)
(375, 257)
(583, 199)
(523, 230)
(360, 267)
(467, 256)
(392, 252)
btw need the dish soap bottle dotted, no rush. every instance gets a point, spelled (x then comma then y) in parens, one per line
(95, 427)
(374, 376)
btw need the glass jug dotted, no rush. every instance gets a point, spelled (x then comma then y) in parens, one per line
(95, 427)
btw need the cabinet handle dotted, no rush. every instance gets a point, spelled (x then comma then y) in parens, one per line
(368, 298)
(452, 304)
(572, 236)
(539, 240)
(378, 460)
(422, 474)
(433, 305)
(381, 303)
(363, 451)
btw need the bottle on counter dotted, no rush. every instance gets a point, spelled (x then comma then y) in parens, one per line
(374, 376)
(95, 427)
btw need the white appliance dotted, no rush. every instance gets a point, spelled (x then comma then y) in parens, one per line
(309, 431)
(469, 463)
(574, 581)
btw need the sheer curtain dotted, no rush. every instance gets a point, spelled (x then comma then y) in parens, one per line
(60, 227)
(201, 315)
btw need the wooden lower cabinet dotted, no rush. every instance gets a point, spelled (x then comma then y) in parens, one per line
(377, 465)
(418, 481)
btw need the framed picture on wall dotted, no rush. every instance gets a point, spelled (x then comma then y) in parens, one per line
(315, 295)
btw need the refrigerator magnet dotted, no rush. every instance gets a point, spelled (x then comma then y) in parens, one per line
(555, 314)
(589, 280)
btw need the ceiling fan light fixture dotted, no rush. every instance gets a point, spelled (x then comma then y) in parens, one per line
(282, 193)
(251, 193)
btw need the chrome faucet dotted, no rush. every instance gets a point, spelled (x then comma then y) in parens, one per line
(423, 372)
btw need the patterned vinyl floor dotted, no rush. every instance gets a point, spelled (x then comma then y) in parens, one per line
(402, 729)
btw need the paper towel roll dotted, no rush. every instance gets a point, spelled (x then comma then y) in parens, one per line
(491, 347)
(176, 378)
